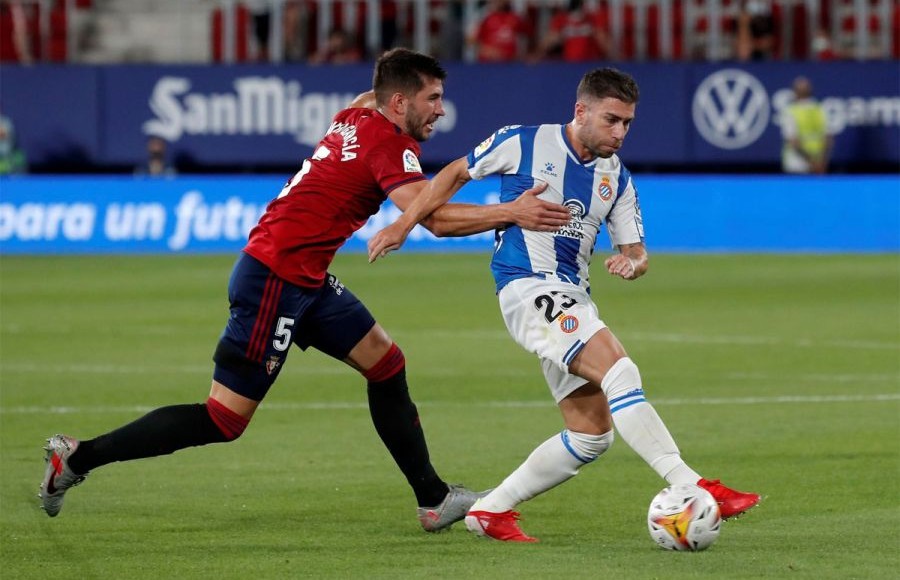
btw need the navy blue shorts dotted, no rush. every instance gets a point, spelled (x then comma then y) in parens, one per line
(269, 314)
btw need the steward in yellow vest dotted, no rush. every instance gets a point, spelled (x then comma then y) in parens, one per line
(804, 128)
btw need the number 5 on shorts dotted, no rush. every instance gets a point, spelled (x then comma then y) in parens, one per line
(283, 333)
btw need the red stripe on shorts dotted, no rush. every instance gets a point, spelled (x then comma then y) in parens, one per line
(267, 309)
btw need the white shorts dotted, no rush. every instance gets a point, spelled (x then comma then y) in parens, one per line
(792, 162)
(554, 320)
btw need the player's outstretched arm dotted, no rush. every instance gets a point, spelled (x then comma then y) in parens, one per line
(629, 263)
(527, 211)
(436, 193)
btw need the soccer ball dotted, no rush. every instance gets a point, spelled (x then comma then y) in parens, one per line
(684, 517)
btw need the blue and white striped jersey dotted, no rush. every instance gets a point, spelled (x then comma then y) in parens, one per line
(595, 192)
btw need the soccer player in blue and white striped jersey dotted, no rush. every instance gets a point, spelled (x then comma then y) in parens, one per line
(544, 292)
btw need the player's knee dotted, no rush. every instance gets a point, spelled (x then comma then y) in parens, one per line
(622, 385)
(246, 377)
(391, 365)
(587, 447)
(621, 378)
(229, 423)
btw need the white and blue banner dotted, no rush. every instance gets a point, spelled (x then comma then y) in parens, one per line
(689, 113)
(685, 213)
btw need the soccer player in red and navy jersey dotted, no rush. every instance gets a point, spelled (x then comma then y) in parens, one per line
(281, 293)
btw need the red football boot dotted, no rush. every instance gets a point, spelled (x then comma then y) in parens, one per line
(501, 526)
(731, 502)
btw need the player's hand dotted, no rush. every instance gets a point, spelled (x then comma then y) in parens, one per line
(532, 213)
(622, 266)
(387, 240)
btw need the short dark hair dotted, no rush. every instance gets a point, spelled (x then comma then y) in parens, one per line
(405, 71)
(608, 82)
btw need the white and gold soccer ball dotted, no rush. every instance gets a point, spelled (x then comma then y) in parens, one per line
(684, 517)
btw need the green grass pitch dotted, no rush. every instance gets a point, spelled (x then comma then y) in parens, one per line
(778, 373)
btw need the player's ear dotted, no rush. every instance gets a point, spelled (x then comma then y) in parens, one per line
(580, 108)
(398, 103)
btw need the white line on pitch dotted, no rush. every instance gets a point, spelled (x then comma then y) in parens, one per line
(293, 368)
(627, 336)
(335, 406)
(299, 368)
(727, 340)
(762, 341)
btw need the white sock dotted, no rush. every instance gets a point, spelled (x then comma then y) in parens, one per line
(554, 461)
(639, 425)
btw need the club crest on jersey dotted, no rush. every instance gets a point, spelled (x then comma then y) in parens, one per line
(411, 162)
(605, 189)
(568, 323)
(273, 363)
(484, 146)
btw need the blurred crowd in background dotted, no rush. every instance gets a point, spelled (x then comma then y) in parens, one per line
(347, 31)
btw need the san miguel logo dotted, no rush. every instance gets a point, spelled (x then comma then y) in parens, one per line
(250, 106)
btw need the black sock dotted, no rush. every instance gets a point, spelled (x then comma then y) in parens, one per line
(159, 432)
(397, 421)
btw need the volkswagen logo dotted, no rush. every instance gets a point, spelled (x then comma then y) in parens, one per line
(731, 109)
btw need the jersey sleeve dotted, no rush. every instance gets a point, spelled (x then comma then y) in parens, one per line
(624, 222)
(498, 154)
(395, 163)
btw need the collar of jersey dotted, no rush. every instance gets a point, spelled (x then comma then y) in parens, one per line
(571, 150)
